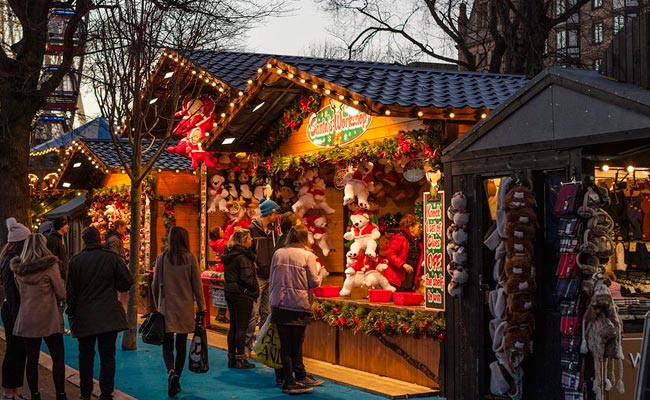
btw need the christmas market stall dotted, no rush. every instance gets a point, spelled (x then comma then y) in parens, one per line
(171, 196)
(352, 148)
(557, 288)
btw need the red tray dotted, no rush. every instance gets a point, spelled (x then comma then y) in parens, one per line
(327, 291)
(407, 299)
(379, 296)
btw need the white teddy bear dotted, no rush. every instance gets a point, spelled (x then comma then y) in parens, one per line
(374, 274)
(311, 193)
(364, 233)
(358, 183)
(318, 233)
(217, 194)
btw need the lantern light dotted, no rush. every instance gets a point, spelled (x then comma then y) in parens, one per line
(630, 168)
(605, 167)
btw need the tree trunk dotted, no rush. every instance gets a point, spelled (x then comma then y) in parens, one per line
(15, 119)
(129, 338)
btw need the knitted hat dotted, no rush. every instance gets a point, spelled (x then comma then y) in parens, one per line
(59, 222)
(267, 207)
(17, 231)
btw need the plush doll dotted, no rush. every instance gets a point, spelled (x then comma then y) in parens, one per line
(305, 200)
(321, 270)
(196, 112)
(316, 187)
(358, 183)
(354, 275)
(285, 196)
(318, 233)
(364, 233)
(374, 268)
(244, 189)
(433, 177)
(217, 194)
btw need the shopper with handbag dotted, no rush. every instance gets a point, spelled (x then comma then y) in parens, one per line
(13, 364)
(41, 291)
(293, 274)
(176, 286)
(241, 290)
(96, 315)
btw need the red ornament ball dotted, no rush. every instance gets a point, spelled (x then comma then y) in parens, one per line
(441, 336)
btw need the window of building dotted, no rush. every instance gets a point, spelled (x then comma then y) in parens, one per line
(598, 32)
(630, 17)
(596, 3)
(560, 7)
(618, 4)
(619, 22)
(598, 63)
(560, 40)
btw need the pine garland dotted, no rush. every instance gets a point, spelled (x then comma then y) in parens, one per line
(291, 119)
(169, 212)
(379, 322)
(420, 143)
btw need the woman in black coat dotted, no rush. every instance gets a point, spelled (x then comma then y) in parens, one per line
(241, 290)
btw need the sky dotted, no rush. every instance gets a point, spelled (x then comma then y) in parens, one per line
(291, 34)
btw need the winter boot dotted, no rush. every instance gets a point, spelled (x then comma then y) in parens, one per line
(231, 360)
(242, 363)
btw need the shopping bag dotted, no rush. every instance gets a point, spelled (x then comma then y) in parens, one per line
(267, 346)
(198, 357)
(153, 328)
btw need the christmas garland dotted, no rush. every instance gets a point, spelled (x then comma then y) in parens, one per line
(420, 143)
(379, 322)
(169, 214)
(291, 119)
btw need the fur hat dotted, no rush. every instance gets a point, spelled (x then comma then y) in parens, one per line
(515, 246)
(516, 284)
(459, 236)
(459, 257)
(458, 201)
(461, 218)
(454, 289)
(459, 275)
(452, 248)
(519, 265)
(518, 197)
(521, 318)
(17, 231)
(524, 215)
(518, 302)
(520, 231)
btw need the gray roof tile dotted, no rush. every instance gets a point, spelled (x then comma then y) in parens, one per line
(105, 152)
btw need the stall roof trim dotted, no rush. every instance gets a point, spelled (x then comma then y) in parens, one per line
(561, 107)
(104, 150)
(388, 84)
(95, 129)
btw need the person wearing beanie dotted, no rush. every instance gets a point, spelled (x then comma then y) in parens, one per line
(262, 231)
(113, 237)
(56, 244)
(13, 364)
(96, 315)
(39, 316)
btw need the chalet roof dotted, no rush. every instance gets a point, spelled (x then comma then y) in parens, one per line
(388, 84)
(95, 129)
(560, 108)
(105, 152)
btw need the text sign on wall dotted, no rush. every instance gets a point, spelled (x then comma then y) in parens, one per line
(434, 250)
(336, 125)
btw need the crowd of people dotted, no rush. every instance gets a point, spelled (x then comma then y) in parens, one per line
(40, 283)
(268, 274)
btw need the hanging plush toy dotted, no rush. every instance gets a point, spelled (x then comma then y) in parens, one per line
(364, 233)
(311, 193)
(197, 120)
(358, 184)
(318, 232)
(217, 194)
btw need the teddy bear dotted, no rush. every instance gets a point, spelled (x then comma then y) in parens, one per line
(354, 276)
(318, 233)
(244, 189)
(374, 277)
(364, 233)
(316, 187)
(217, 194)
(358, 183)
(321, 270)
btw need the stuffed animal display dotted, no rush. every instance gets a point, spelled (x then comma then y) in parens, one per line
(364, 270)
(318, 232)
(456, 244)
(311, 193)
(358, 184)
(197, 120)
(364, 233)
(217, 194)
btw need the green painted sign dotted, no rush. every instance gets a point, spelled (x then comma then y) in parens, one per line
(336, 125)
(434, 251)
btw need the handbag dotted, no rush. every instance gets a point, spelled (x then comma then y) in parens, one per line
(568, 288)
(267, 346)
(153, 327)
(567, 266)
(198, 356)
(567, 199)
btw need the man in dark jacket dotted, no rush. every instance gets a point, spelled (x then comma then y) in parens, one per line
(95, 313)
(263, 244)
(113, 237)
(56, 244)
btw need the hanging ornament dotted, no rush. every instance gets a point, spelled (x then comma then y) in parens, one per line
(413, 170)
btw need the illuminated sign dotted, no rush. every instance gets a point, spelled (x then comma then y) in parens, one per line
(336, 125)
(434, 250)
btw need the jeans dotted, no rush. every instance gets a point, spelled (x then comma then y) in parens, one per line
(240, 308)
(54, 344)
(168, 351)
(106, 348)
(261, 311)
(291, 338)
(13, 365)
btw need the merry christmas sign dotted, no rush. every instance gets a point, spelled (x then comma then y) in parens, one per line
(336, 125)
(434, 248)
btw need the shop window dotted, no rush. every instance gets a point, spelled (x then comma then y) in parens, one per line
(598, 63)
(560, 7)
(619, 22)
(618, 4)
(598, 32)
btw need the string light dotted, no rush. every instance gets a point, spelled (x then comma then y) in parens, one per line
(605, 167)
(630, 168)
(341, 97)
(420, 114)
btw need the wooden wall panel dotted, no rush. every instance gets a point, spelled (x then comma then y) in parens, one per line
(116, 180)
(320, 342)
(169, 183)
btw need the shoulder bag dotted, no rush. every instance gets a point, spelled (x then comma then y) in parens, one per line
(153, 327)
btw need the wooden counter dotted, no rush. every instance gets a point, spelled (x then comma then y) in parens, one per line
(342, 346)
